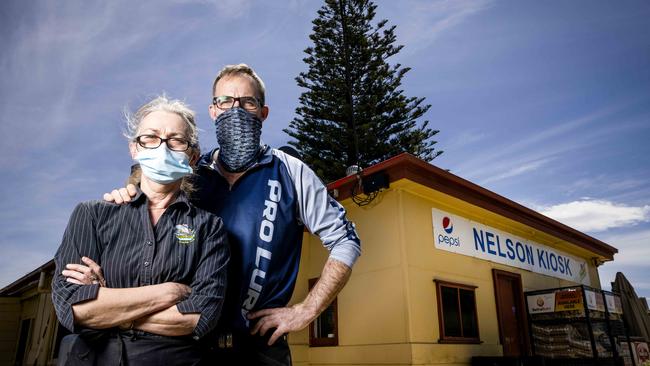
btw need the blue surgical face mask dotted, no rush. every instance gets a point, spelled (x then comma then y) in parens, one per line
(238, 135)
(162, 165)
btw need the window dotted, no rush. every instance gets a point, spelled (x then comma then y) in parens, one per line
(23, 340)
(457, 313)
(323, 331)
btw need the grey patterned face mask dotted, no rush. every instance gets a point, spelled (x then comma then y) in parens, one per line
(238, 135)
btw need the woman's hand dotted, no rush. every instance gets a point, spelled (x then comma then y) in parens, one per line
(89, 274)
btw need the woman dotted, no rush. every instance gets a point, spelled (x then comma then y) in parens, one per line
(163, 260)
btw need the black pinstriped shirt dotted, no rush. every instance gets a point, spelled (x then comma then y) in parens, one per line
(188, 245)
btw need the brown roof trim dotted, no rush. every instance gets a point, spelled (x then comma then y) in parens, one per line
(32, 277)
(408, 166)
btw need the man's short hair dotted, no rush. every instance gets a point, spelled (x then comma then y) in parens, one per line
(241, 69)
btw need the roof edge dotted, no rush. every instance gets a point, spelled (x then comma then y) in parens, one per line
(410, 167)
(19, 284)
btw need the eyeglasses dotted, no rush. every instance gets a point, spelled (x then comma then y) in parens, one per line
(224, 102)
(153, 141)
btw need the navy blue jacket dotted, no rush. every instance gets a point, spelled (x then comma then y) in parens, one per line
(265, 213)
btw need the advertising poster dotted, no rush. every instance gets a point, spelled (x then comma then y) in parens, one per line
(624, 352)
(614, 305)
(641, 353)
(568, 300)
(600, 303)
(594, 301)
(542, 303)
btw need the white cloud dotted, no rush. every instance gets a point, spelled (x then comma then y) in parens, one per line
(428, 20)
(634, 249)
(225, 9)
(631, 259)
(465, 138)
(597, 215)
(48, 68)
(549, 141)
(518, 170)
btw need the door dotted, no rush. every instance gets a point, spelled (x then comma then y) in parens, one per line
(511, 313)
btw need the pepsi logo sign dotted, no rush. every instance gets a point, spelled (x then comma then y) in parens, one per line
(447, 225)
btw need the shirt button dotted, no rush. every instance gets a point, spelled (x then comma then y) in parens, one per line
(146, 264)
(149, 242)
(196, 338)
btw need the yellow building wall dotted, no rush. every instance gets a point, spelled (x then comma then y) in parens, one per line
(387, 313)
(372, 311)
(9, 326)
(35, 304)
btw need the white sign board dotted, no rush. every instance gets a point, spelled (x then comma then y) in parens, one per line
(542, 303)
(614, 305)
(460, 235)
(594, 301)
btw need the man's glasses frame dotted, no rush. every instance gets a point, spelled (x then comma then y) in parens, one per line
(225, 102)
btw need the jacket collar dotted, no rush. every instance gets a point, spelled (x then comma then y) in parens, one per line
(264, 157)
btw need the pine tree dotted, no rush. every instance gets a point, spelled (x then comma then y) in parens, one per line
(353, 111)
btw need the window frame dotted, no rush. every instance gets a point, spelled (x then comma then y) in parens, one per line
(441, 320)
(28, 339)
(321, 341)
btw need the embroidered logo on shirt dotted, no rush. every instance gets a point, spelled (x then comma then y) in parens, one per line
(184, 234)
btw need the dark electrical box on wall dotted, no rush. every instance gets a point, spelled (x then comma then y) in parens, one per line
(375, 182)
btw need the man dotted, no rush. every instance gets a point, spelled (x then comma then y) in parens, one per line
(265, 198)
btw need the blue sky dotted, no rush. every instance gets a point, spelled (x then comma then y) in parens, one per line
(546, 103)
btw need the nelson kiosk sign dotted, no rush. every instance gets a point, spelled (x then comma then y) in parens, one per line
(459, 235)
